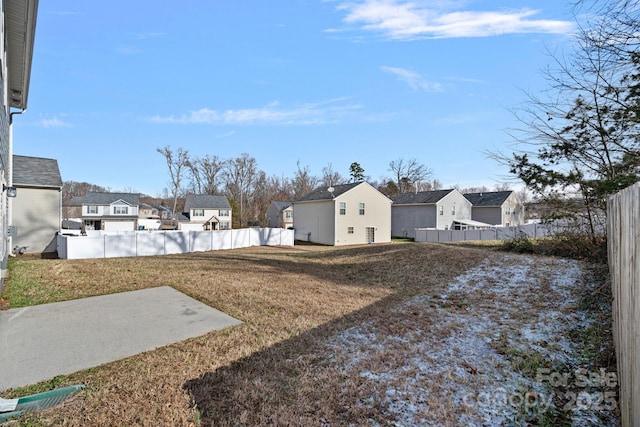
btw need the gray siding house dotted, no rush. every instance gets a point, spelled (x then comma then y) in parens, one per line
(347, 214)
(280, 215)
(502, 208)
(36, 211)
(440, 209)
(206, 212)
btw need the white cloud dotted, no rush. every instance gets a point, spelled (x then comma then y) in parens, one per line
(403, 20)
(54, 123)
(413, 79)
(331, 111)
(226, 135)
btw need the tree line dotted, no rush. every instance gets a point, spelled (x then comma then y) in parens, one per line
(250, 190)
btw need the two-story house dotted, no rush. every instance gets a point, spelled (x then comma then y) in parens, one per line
(206, 212)
(280, 215)
(439, 209)
(345, 214)
(501, 208)
(108, 211)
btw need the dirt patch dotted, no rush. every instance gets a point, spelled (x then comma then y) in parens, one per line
(371, 335)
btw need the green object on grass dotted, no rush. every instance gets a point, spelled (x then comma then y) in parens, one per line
(40, 401)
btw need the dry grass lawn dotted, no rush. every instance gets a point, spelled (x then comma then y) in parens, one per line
(278, 367)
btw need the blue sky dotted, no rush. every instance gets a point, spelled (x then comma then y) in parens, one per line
(319, 82)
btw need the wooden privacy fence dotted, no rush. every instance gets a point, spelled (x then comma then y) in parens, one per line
(623, 231)
(148, 243)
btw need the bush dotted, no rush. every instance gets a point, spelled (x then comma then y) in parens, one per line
(568, 245)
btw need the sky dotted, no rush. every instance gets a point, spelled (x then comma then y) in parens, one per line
(308, 82)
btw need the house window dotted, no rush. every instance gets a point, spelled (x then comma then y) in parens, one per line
(441, 210)
(288, 215)
(361, 209)
(224, 225)
(453, 210)
(224, 212)
(349, 230)
(507, 211)
(198, 212)
(120, 210)
(343, 208)
(93, 209)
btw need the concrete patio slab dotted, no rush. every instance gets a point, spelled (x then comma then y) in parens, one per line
(40, 342)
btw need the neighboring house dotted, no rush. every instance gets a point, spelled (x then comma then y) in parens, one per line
(206, 212)
(36, 211)
(17, 35)
(108, 211)
(440, 209)
(345, 214)
(149, 217)
(497, 208)
(280, 215)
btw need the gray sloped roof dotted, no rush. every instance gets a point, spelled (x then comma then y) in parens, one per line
(36, 172)
(487, 199)
(280, 206)
(98, 198)
(206, 201)
(421, 197)
(322, 193)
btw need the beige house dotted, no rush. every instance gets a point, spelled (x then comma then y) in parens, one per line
(206, 212)
(280, 215)
(501, 208)
(440, 209)
(345, 214)
(36, 211)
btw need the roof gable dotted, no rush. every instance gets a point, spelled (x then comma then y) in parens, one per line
(36, 172)
(421, 197)
(98, 198)
(206, 201)
(488, 199)
(322, 193)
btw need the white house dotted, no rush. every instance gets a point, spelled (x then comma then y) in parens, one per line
(345, 214)
(36, 211)
(206, 212)
(280, 215)
(440, 209)
(111, 212)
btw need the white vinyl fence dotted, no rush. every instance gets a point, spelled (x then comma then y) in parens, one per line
(497, 233)
(148, 243)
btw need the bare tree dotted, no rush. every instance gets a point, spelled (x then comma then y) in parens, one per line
(239, 175)
(408, 173)
(205, 173)
(176, 163)
(330, 177)
(303, 182)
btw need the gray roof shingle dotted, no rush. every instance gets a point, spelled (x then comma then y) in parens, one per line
(206, 201)
(421, 197)
(489, 198)
(322, 193)
(98, 198)
(36, 172)
(280, 206)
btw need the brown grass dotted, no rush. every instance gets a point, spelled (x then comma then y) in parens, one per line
(270, 370)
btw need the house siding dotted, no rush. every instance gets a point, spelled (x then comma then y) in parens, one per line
(405, 219)
(462, 212)
(315, 221)
(37, 216)
(377, 215)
